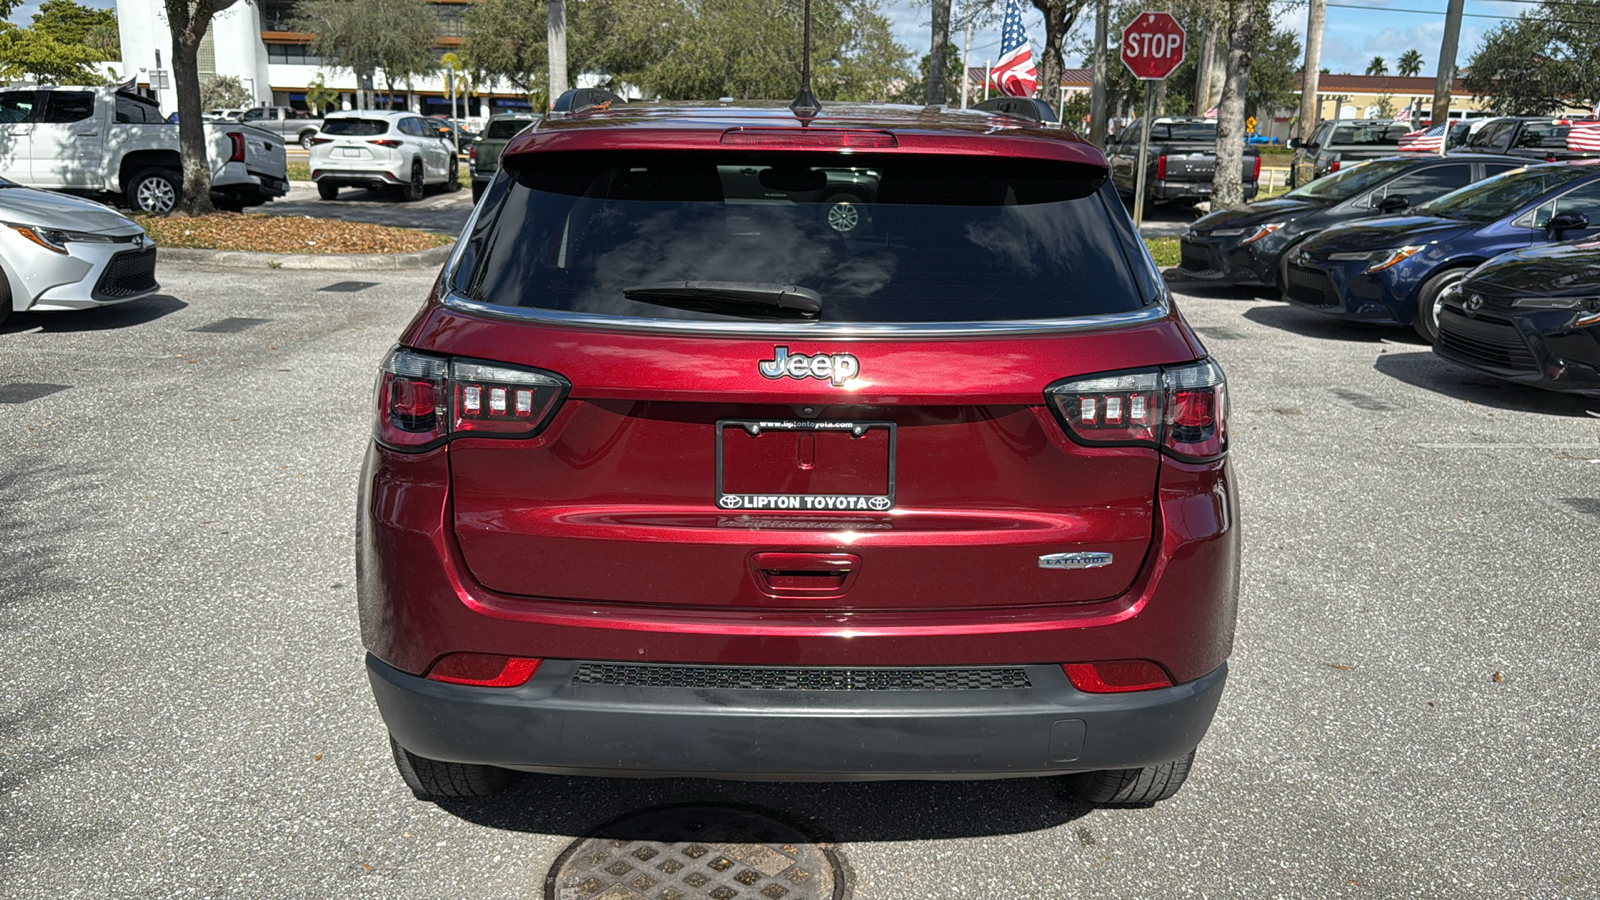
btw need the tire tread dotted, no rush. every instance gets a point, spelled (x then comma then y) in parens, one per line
(432, 778)
(1150, 784)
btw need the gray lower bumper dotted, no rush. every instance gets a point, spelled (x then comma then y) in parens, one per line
(553, 725)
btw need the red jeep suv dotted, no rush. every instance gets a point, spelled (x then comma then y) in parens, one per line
(746, 444)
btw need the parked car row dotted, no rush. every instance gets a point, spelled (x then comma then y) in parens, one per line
(1491, 260)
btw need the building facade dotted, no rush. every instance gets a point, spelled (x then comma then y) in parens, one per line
(255, 42)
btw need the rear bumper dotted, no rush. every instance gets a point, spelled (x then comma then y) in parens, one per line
(554, 724)
(1191, 190)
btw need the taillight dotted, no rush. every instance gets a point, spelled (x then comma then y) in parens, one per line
(1117, 677)
(1333, 167)
(472, 153)
(237, 140)
(1161, 167)
(385, 142)
(1256, 175)
(836, 138)
(483, 669)
(321, 140)
(1179, 410)
(423, 400)
(500, 400)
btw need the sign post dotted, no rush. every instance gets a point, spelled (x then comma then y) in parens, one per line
(1152, 47)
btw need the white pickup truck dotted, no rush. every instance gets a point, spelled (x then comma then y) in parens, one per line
(98, 140)
(292, 125)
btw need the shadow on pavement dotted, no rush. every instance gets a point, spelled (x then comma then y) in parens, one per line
(104, 318)
(847, 812)
(1316, 325)
(1427, 371)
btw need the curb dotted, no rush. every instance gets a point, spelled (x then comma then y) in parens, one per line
(422, 259)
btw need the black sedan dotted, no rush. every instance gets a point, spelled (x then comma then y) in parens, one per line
(1248, 244)
(1529, 316)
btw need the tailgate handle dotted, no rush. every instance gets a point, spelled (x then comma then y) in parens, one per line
(819, 575)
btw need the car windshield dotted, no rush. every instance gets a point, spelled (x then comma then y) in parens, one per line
(878, 239)
(355, 127)
(1347, 183)
(1503, 194)
(506, 128)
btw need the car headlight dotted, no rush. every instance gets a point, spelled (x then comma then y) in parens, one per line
(56, 239)
(1588, 307)
(1228, 232)
(1380, 259)
(1261, 232)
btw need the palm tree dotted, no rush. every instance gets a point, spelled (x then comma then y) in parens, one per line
(1378, 66)
(1410, 64)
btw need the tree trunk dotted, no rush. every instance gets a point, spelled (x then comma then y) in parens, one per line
(1202, 68)
(1098, 118)
(1059, 17)
(1309, 107)
(557, 47)
(1444, 81)
(188, 27)
(1227, 183)
(938, 52)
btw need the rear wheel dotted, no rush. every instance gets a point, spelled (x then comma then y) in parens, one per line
(1147, 785)
(5, 297)
(1426, 320)
(432, 778)
(154, 190)
(453, 183)
(413, 189)
(305, 139)
(327, 191)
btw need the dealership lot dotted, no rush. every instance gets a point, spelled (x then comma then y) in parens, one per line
(1412, 707)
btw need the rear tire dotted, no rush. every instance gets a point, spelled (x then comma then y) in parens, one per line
(1426, 320)
(413, 189)
(305, 139)
(453, 183)
(327, 191)
(432, 778)
(1150, 784)
(156, 191)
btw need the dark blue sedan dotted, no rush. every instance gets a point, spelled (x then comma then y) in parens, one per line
(1392, 270)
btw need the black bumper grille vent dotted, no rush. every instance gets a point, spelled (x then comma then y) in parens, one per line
(1490, 341)
(133, 272)
(822, 679)
(1194, 257)
(1312, 288)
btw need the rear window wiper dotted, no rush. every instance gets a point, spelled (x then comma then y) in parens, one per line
(751, 299)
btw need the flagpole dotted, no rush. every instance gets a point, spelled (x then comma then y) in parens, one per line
(966, 62)
(987, 72)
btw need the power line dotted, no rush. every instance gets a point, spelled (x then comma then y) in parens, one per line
(1435, 12)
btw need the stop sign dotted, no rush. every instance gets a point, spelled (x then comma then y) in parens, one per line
(1152, 46)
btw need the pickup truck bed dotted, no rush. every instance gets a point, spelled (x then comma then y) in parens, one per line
(1181, 163)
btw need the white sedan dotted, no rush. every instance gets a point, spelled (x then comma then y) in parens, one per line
(374, 149)
(59, 252)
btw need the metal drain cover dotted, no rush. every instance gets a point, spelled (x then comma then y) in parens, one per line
(695, 852)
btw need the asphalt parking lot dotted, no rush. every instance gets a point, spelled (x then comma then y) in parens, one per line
(440, 211)
(1412, 711)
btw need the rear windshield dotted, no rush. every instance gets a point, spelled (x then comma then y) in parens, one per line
(506, 128)
(1346, 183)
(879, 239)
(1544, 134)
(1377, 135)
(1503, 194)
(1183, 131)
(355, 127)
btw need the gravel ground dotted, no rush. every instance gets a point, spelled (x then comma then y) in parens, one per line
(1412, 711)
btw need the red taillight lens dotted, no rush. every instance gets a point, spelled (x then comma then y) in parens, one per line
(423, 399)
(1117, 677)
(1161, 167)
(472, 153)
(1256, 175)
(385, 142)
(1181, 410)
(810, 138)
(483, 669)
(1334, 167)
(411, 400)
(321, 140)
(237, 140)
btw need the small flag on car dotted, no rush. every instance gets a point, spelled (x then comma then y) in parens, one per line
(1423, 140)
(131, 85)
(1015, 73)
(1585, 137)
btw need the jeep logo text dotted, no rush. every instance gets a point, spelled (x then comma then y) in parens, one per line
(836, 367)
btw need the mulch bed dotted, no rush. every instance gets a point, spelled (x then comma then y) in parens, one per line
(285, 234)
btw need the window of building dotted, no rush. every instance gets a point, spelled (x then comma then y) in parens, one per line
(277, 15)
(452, 20)
(293, 55)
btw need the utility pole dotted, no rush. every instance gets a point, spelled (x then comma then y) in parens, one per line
(966, 62)
(1446, 80)
(557, 50)
(1097, 90)
(1310, 107)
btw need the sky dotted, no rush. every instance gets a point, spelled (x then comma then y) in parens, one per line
(1352, 36)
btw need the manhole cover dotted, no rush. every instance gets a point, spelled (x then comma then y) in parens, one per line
(695, 852)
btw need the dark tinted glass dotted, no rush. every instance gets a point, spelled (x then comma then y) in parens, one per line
(885, 239)
(506, 128)
(67, 106)
(1192, 131)
(355, 127)
(17, 106)
(1374, 135)
(1434, 181)
(1347, 183)
(1543, 134)
(134, 111)
(1503, 194)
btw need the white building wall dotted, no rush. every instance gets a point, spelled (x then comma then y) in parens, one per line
(235, 33)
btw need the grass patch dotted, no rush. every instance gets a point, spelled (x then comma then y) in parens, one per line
(1164, 250)
(285, 234)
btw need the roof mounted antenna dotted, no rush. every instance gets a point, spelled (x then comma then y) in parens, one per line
(805, 105)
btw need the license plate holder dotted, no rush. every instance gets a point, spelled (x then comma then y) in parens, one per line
(805, 465)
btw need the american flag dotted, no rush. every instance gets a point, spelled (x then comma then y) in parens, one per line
(1014, 74)
(1424, 140)
(1404, 115)
(1584, 136)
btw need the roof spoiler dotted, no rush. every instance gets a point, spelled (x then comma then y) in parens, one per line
(1021, 108)
(580, 100)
